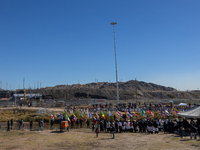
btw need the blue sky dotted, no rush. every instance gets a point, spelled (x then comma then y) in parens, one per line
(70, 42)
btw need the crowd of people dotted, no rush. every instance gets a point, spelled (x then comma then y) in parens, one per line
(123, 125)
(132, 126)
(148, 126)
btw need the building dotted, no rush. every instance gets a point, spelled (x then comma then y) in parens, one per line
(28, 97)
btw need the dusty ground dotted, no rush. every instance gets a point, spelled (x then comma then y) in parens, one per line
(85, 139)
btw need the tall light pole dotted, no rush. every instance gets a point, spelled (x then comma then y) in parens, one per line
(114, 23)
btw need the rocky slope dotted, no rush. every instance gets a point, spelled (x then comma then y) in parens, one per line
(105, 90)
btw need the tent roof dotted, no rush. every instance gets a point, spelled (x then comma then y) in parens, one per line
(182, 104)
(192, 113)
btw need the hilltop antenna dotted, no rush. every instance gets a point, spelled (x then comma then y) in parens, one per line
(23, 82)
(38, 85)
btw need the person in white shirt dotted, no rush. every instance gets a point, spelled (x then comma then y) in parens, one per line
(120, 126)
(127, 126)
(108, 126)
(123, 127)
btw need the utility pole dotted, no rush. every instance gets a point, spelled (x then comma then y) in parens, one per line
(114, 23)
(23, 82)
(6, 89)
(15, 97)
(136, 90)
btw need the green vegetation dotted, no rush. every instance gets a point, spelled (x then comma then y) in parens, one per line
(32, 115)
(171, 95)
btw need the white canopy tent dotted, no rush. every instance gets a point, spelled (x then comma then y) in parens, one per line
(192, 113)
(182, 104)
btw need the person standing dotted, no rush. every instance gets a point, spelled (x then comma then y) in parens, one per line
(97, 132)
(21, 123)
(116, 126)
(42, 125)
(108, 126)
(120, 126)
(113, 130)
(11, 123)
(52, 124)
(156, 127)
(72, 124)
(77, 124)
(131, 126)
(8, 126)
(93, 126)
(31, 124)
(123, 127)
(105, 122)
(81, 123)
(198, 132)
(88, 123)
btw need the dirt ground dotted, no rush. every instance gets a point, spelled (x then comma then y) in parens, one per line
(85, 139)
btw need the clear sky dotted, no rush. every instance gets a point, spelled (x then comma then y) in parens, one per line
(71, 41)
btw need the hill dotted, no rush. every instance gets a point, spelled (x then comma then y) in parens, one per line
(105, 90)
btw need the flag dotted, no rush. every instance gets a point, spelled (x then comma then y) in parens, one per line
(95, 120)
(143, 113)
(130, 114)
(89, 115)
(61, 116)
(162, 114)
(151, 113)
(74, 118)
(126, 113)
(97, 115)
(167, 112)
(82, 119)
(67, 118)
(175, 110)
(52, 117)
(119, 114)
(81, 115)
(137, 116)
(103, 115)
(109, 113)
(98, 110)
